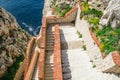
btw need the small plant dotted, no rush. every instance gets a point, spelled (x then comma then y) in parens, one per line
(84, 47)
(80, 35)
(88, 11)
(94, 21)
(63, 12)
(91, 61)
(94, 66)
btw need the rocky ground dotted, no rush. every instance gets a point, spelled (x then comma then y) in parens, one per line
(13, 41)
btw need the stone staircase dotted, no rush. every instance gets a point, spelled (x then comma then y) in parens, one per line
(49, 67)
(76, 64)
(75, 61)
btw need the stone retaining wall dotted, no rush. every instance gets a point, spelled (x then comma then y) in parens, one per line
(69, 17)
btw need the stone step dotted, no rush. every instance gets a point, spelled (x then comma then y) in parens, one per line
(49, 66)
(69, 44)
(67, 76)
(66, 70)
(67, 25)
(50, 41)
(66, 30)
(79, 63)
(48, 75)
(50, 38)
(49, 72)
(50, 33)
(49, 49)
(49, 54)
(49, 78)
(50, 44)
(65, 65)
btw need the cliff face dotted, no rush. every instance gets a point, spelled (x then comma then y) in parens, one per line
(48, 4)
(13, 41)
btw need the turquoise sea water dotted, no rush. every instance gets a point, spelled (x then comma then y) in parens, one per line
(28, 13)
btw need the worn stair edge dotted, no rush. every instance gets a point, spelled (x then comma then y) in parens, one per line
(28, 52)
(57, 56)
(31, 68)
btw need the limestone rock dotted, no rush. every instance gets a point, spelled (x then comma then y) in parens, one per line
(112, 14)
(105, 2)
(62, 2)
(13, 41)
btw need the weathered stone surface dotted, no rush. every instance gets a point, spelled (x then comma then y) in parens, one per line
(105, 2)
(13, 40)
(97, 4)
(112, 14)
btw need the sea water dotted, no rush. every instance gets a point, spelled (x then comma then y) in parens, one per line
(28, 13)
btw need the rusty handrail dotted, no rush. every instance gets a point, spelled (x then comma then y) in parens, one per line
(31, 68)
(27, 55)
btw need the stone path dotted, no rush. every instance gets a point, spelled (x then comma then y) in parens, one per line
(76, 62)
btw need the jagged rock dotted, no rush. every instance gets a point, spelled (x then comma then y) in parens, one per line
(105, 2)
(111, 14)
(2, 70)
(62, 3)
(13, 41)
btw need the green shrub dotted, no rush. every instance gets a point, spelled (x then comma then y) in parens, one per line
(63, 12)
(94, 21)
(84, 47)
(10, 74)
(80, 35)
(109, 39)
(96, 12)
(94, 66)
(87, 11)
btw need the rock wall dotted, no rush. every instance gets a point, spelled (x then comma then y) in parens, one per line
(47, 10)
(13, 40)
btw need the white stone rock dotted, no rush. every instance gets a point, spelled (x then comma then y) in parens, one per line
(111, 14)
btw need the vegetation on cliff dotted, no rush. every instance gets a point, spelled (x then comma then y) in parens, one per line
(62, 7)
(13, 43)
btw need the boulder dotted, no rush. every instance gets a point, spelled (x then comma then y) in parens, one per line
(111, 14)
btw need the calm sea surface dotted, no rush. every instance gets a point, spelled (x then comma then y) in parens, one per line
(27, 12)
